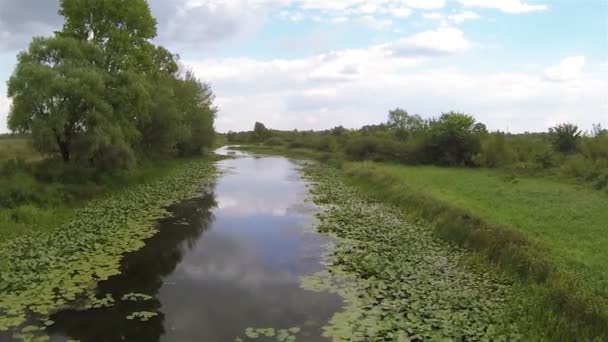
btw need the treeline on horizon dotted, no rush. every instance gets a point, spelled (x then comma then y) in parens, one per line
(456, 140)
(97, 102)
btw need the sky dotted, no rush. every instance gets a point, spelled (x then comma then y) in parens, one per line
(516, 65)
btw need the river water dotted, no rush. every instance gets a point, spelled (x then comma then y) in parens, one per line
(222, 262)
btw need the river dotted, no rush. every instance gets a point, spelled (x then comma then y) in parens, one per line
(227, 260)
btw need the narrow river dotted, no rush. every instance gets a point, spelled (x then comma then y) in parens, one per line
(225, 261)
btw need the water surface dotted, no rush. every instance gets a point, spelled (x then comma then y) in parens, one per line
(224, 261)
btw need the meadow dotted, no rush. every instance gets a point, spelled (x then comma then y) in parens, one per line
(17, 147)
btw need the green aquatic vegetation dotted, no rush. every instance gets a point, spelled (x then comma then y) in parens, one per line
(143, 316)
(42, 273)
(96, 303)
(398, 282)
(135, 297)
(280, 335)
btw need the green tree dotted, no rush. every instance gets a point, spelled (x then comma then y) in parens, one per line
(454, 139)
(100, 92)
(123, 27)
(58, 93)
(403, 123)
(197, 115)
(260, 132)
(565, 137)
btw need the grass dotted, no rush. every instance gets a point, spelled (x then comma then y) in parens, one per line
(17, 147)
(566, 220)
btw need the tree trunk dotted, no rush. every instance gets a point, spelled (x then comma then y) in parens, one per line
(64, 148)
(65, 151)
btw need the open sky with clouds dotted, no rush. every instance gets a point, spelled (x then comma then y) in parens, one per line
(517, 65)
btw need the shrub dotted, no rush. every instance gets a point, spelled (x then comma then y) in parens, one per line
(274, 141)
(565, 137)
(494, 152)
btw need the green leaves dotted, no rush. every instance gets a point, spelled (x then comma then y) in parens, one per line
(397, 281)
(143, 316)
(280, 335)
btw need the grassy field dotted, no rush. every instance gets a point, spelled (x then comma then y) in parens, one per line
(570, 221)
(17, 147)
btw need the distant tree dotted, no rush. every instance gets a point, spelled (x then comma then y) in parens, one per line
(403, 123)
(565, 137)
(260, 132)
(454, 139)
(598, 130)
(338, 131)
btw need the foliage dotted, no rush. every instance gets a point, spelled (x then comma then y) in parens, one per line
(565, 137)
(279, 335)
(99, 93)
(260, 132)
(453, 139)
(404, 124)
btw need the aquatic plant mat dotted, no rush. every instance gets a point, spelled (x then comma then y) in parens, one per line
(398, 281)
(40, 274)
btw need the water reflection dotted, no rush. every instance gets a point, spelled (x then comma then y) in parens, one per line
(223, 262)
(142, 272)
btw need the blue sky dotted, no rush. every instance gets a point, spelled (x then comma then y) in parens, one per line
(517, 65)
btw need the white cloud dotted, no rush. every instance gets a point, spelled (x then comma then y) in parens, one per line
(442, 41)
(570, 68)
(375, 23)
(463, 16)
(425, 4)
(357, 87)
(339, 20)
(401, 12)
(508, 6)
(432, 15)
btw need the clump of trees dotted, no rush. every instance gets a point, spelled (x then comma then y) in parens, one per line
(100, 94)
(457, 139)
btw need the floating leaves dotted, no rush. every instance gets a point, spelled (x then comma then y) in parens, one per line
(40, 273)
(142, 315)
(135, 297)
(98, 303)
(397, 281)
(280, 335)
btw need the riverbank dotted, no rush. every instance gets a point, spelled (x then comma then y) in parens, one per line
(530, 227)
(45, 270)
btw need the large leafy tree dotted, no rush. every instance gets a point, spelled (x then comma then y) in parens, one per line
(99, 91)
(58, 93)
(123, 27)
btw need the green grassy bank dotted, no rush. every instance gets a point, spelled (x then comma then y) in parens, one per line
(552, 235)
